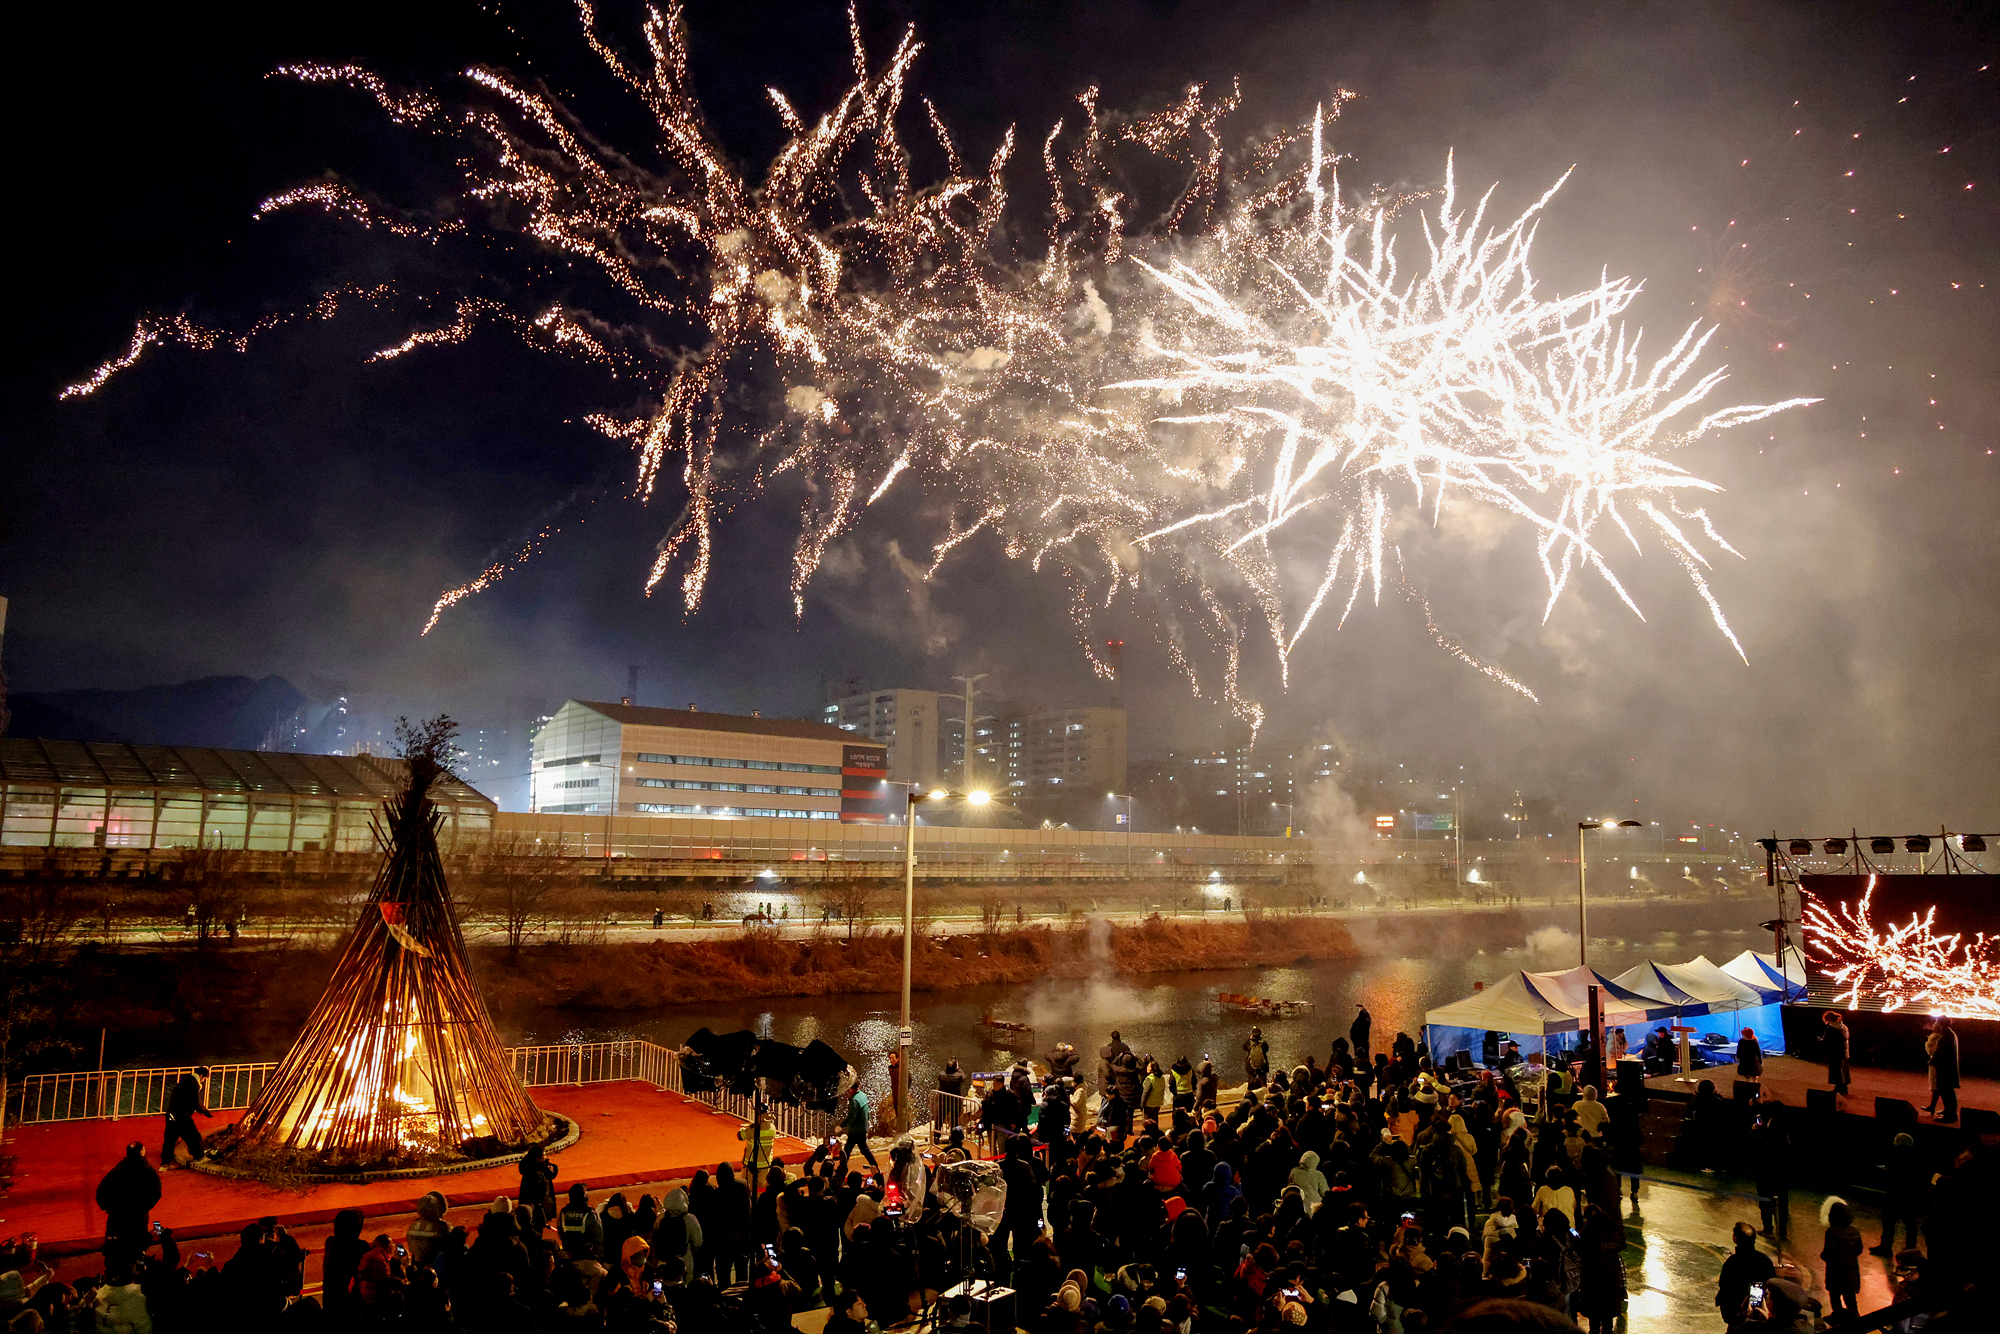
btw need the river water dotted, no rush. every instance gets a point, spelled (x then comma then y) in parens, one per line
(1165, 1015)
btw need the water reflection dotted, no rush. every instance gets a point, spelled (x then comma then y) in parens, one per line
(1166, 1015)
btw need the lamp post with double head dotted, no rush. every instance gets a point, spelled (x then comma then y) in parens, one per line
(904, 1036)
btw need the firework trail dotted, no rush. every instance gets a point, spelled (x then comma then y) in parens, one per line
(1910, 966)
(1181, 402)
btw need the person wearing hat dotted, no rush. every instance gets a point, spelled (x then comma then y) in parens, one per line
(127, 1196)
(1749, 1057)
(189, 1096)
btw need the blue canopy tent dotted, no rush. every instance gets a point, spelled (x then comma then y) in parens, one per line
(1767, 972)
(1618, 1006)
(1705, 989)
(1513, 1007)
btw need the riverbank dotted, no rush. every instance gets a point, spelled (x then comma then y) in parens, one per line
(266, 992)
(756, 965)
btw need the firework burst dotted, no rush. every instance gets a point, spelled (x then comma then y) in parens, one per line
(1910, 966)
(1220, 403)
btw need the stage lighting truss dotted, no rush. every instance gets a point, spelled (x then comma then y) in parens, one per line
(1942, 853)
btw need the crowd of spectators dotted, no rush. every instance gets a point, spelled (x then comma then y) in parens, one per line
(1368, 1193)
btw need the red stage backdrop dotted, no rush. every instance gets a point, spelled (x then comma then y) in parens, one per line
(1912, 943)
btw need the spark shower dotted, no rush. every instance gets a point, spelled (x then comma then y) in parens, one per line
(1214, 399)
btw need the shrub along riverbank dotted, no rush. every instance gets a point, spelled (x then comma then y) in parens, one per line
(262, 995)
(756, 964)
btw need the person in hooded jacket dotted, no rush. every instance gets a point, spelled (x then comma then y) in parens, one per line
(428, 1229)
(616, 1222)
(1308, 1178)
(676, 1239)
(1052, 1127)
(1207, 1086)
(1220, 1191)
(120, 1306)
(1062, 1061)
(731, 1236)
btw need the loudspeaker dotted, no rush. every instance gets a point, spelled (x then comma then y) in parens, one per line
(1631, 1077)
(1895, 1112)
(1820, 1102)
(1746, 1090)
(1979, 1120)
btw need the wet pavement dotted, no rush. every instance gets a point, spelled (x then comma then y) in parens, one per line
(1678, 1235)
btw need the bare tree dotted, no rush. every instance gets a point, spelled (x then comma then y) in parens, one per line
(991, 911)
(517, 881)
(212, 878)
(854, 897)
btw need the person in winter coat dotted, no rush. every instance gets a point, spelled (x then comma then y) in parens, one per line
(1904, 1200)
(1358, 1031)
(731, 1233)
(951, 1083)
(1941, 1053)
(1207, 1086)
(344, 1249)
(1308, 1178)
(1748, 1266)
(615, 1219)
(1220, 1192)
(1749, 1057)
(430, 1229)
(1256, 1057)
(1052, 1126)
(1601, 1247)
(1503, 1225)
(121, 1306)
(906, 1173)
(1180, 1084)
(677, 1239)
(1834, 1045)
(127, 1195)
(1106, 1055)
(577, 1227)
(1841, 1254)
(855, 1126)
(538, 1188)
(1062, 1062)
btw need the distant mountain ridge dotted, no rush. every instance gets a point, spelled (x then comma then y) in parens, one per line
(226, 712)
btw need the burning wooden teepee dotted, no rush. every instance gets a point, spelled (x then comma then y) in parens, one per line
(399, 1059)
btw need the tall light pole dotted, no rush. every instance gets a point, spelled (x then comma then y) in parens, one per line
(1130, 820)
(1596, 1015)
(905, 1037)
(971, 684)
(1582, 925)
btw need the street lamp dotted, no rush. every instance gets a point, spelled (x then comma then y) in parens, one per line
(1582, 931)
(1130, 819)
(904, 1037)
(1290, 815)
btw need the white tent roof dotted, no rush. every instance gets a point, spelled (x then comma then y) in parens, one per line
(1618, 1004)
(1650, 979)
(1511, 1005)
(1761, 972)
(1698, 976)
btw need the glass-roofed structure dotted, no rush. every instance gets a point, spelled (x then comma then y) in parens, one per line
(86, 794)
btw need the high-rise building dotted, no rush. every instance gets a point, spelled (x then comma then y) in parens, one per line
(905, 722)
(1070, 749)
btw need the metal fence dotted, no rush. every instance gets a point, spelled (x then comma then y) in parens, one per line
(87, 1095)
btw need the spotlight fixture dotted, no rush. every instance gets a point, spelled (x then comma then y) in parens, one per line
(1801, 847)
(1836, 847)
(1881, 846)
(1917, 843)
(1972, 842)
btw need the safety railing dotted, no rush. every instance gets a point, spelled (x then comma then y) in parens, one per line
(88, 1095)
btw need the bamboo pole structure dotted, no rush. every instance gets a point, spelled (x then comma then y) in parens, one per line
(398, 1060)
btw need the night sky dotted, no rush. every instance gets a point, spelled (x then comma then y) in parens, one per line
(1782, 168)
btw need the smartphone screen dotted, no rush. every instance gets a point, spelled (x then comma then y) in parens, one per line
(658, 1287)
(1756, 1294)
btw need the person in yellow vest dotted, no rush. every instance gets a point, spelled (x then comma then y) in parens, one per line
(759, 1142)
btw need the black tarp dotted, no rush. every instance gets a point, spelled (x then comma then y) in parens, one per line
(809, 1075)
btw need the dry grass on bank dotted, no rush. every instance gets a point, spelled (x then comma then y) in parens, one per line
(757, 964)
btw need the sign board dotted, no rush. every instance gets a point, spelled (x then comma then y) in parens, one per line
(1437, 822)
(864, 793)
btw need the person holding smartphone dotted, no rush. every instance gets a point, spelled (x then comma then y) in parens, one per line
(1746, 1268)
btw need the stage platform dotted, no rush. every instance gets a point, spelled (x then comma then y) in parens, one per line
(631, 1133)
(1787, 1078)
